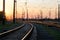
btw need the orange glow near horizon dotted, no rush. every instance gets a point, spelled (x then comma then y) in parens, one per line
(33, 8)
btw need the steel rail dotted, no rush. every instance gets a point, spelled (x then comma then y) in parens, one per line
(9, 31)
(46, 23)
(28, 33)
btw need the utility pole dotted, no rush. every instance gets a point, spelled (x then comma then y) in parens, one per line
(3, 12)
(55, 13)
(41, 15)
(26, 9)
(23, 15)
(50, 14)
(38, 16)
(14, 11)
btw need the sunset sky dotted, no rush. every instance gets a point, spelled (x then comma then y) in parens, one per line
(34, 7)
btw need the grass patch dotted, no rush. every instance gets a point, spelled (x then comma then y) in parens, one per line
(8, 26)
(53, 32)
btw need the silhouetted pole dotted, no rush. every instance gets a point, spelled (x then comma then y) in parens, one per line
(27, 14)
(38, 16)
(26, 9)
(14, 11)
(41, 14)
(55, 13)
(50, 14)
(23, 15)
(3, 12)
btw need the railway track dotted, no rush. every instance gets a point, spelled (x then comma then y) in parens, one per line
(9, 31)
(47, 23)
(19, 33)
(28, 33)
(46, 32)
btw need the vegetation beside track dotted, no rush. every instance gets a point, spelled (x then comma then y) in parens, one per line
(8, 26)
(52, 31)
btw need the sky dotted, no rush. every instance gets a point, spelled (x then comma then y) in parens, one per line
(58, 1)
(34, 7)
